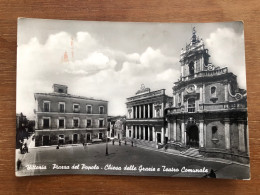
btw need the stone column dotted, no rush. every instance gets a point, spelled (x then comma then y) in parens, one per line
(226, 92)
(140, 129)
(144, 112)
(201, 133)
(143, 132)
(182, 98)
(140, 112)
(202, 64)
(163, 135)
(162, 110)
(174, 100)
(36, 123)
(148, 110)
(169, 131)
(201, 90)
(153, 111)
(149, 133)
(227, 133)
(203, 93)
(174, 130)
(132, 131)
(241, 136)
(183, 136)
(154, 138)
(195, 68)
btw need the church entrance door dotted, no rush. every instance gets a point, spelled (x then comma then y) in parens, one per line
(192, 135)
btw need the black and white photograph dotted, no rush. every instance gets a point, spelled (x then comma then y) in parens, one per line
(131, 98)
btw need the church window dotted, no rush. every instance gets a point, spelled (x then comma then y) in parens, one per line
(191, 105)
(179, 99)
(191, 68)
(214, 133)
(213, 91)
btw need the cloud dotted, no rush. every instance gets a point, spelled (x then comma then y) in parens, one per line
(92, 64)
(94, 69)
(226, 48)
(90, 69)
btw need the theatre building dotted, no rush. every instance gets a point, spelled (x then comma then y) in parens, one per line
(62, 118)
(145, 122)
(209, 110)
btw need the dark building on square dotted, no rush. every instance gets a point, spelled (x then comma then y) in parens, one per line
(62, 118)
(145, 122)
(208, 110)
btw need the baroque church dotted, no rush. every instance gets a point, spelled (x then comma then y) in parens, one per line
(208, 111)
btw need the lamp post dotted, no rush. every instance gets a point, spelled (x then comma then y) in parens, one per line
(108, 128)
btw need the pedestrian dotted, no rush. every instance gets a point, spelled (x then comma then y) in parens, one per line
(19, 163)
(165, 147)
(125, 141)
(26, 148)
(23, 149)
(212, 174)
(119, 142)
(21, 146)
(113, 142)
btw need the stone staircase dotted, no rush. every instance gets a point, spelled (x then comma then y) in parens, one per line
(150, 144)
(143, 143)
(192, 152)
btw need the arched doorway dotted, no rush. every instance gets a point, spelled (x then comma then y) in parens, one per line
(192, 136)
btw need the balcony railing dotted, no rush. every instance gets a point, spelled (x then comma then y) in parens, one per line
(221, 106)
(207, 73)
(76, 110)
(191, 109)
(208, 107)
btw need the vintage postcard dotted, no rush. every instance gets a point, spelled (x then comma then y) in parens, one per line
(123, 98)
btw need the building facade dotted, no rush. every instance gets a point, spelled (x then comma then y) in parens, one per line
(208, 110)
(62, 118)
(145, 122)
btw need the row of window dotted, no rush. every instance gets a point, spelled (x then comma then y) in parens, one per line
(76, 108)
(76, 137)
(75, 123)
(213, 93)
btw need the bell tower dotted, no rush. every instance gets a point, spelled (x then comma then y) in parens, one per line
(194, 58)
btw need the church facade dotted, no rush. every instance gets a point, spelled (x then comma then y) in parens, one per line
(208, 110)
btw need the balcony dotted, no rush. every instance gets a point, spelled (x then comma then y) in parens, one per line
(208, 107)
(191, 109)
(76, 110)
(221, 106)
(208, 73)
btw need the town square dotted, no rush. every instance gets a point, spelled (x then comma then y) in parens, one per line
(123, 160)
(175, 111)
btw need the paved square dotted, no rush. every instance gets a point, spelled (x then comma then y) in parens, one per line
(93, 156)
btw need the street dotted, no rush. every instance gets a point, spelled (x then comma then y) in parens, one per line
(122, 160)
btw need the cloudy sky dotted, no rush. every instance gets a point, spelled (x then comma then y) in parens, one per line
(110, 60)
